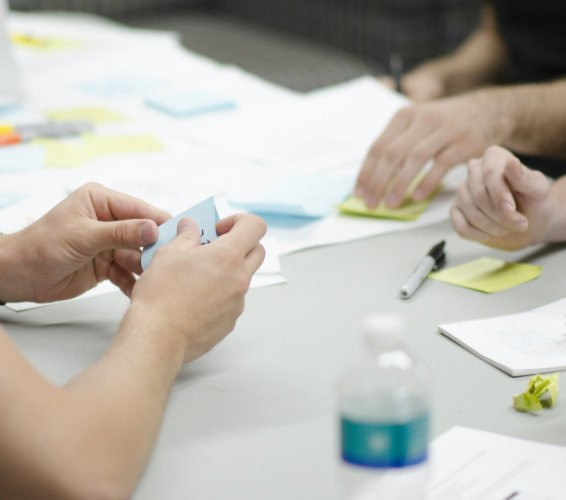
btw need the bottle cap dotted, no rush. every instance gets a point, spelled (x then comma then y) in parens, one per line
(379, 328)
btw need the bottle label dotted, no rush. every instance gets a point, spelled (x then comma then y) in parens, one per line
(385, 444)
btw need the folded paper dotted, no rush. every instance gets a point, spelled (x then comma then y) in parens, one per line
(542, 391)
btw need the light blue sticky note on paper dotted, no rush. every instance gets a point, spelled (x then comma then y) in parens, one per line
(7, 198)
(21, 158)
(122, 85)
(204, 214)
(189, 103)
(302, 195)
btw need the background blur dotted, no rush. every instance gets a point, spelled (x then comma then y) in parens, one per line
(301, 44)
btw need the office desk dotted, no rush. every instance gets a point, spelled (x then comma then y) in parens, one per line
(254, 419)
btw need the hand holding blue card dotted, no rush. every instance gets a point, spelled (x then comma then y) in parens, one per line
(204, 214)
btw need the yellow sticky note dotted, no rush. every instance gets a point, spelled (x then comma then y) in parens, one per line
(104, 145)
(542, 391)
(64, 154)
(46, 43)
(488, 275)
(408, 210)
(94, 114)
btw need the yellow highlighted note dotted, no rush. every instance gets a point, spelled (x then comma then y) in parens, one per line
(488, 275)
(60, 153)
(45, 43)
(104, 145)
(408, 210)
(94, 114)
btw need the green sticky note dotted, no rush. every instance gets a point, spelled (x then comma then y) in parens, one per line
(94, 114)
(542, 391)
(488, 275)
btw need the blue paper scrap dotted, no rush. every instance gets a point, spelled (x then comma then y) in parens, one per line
(302, 195)
(7, 198)
(122, 85)
(20, 158)
(189, 103)
(204, 214)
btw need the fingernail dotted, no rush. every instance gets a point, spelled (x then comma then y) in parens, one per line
(391, 200)
(147, 233)
(371, 202)
(359, 191)
(183, 225)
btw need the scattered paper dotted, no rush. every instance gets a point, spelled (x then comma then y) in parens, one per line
(542, 391)
(469, 464)
(94, 114)
(204, 214)
(488, 275)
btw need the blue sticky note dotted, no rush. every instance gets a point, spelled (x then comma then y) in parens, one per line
(20, 158)
(302, 195)
(204, 214)
(127, 85)
(8, 198)
(188, 103)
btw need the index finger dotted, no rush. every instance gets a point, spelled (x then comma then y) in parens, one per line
(244, 231)
(114, 205)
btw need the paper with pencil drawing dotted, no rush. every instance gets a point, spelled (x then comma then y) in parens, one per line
(519, 344)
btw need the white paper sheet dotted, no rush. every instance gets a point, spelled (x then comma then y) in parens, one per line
(469, 464)
(519, 344)
(11, 89)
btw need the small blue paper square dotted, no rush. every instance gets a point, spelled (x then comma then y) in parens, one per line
(204, 214)
(20, 158)
(301, 195)
(188, 103)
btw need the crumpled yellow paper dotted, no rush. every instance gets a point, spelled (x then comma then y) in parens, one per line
(542, 391)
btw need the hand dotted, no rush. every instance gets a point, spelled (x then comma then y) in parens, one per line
(502, 204)
(449, 132)
(93, 235)
(419, 85)
(196, 292)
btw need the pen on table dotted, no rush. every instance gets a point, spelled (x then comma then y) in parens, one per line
(396, 68)
(433, 260)
(14, 134)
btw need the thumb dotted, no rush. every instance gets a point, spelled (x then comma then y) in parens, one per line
(188, 232)
(132, 233)
(524, 182)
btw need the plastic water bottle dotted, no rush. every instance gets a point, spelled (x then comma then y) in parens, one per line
(384, 418)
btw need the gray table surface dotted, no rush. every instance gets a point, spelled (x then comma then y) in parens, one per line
(255, 417)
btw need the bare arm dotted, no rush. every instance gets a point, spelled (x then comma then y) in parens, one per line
(477, 62)
(92, 438)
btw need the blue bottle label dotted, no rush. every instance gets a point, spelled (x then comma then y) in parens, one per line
(385, 444)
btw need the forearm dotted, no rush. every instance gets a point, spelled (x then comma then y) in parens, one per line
(528, 119)
(14, 277)
(92, 438)
(477, 62)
